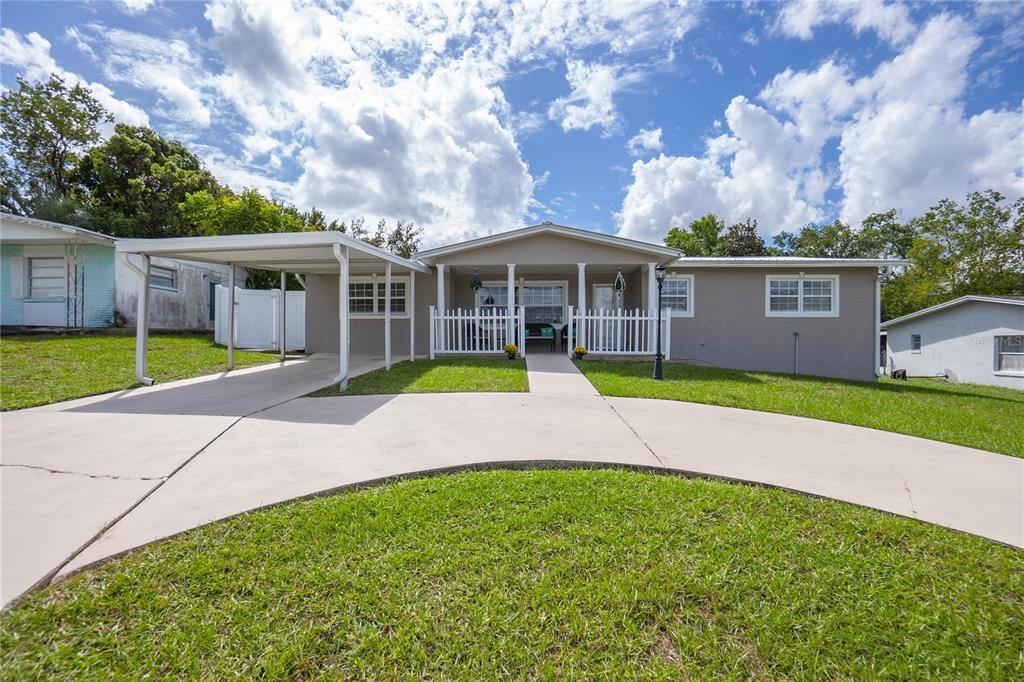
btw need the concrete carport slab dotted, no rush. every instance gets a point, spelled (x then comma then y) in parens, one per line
(71, 469)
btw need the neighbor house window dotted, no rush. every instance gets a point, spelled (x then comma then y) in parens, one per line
(915, 343)
(46, 278)
(802, 296)
(677, 294)
(163, 278)
(366, 295)
(1010, 354)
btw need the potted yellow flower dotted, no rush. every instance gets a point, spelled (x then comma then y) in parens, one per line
(510, 350)
(579, 351)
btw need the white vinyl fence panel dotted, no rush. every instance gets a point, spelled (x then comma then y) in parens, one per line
(256, 318)
(620, 332)
(476, 332)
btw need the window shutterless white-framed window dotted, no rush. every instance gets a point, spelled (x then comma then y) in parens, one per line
(1010, 354)
(366, 296)
(46, 278)
(801, 295)
(915, 343)
(163, 278)
(677, 293)
(541, 301)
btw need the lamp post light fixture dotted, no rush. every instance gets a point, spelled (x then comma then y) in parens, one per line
(659, 274)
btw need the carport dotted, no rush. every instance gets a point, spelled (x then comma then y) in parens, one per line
(299, 253)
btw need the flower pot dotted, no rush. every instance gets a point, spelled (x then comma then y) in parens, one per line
(511, 356)
(578, 356)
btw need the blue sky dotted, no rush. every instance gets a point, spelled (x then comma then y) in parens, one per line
(623, 117)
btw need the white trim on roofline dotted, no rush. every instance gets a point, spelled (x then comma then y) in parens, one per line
(180, 247)
(949, 304)
(60, 227)
(564, 230)
(784, 262)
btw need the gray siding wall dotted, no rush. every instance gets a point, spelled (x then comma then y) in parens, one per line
(366, 335)
(729, 327)
(188, 308)
(960, 340)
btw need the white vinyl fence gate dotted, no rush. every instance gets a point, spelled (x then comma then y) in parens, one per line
(256, 318)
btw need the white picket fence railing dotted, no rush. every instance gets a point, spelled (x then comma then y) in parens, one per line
(475, 331)
(256, 318)
(619, 332)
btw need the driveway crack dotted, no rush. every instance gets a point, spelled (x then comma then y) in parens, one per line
(634, 432)
(82, 473)
(903, 480)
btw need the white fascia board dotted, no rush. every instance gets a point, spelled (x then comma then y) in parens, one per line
(564, 230)
(948, 304)
(181, 246)
(783, 262)
(70, 230)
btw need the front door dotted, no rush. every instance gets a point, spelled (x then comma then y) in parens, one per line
(606, 301)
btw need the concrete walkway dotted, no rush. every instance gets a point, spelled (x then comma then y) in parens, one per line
(554, 373)
(157, 474)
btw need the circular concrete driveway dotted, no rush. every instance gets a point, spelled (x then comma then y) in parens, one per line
(87, 480)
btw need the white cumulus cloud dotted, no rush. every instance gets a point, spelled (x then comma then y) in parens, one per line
(645, 141)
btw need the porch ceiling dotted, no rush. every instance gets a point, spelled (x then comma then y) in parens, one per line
(302, 252)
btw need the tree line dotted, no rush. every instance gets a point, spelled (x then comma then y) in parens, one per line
(55, 165)
(954, 249)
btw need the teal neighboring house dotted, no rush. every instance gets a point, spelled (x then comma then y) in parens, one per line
(54, 275)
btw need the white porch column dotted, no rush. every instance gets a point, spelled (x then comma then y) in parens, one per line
(441, 311)
(652, 290)
(387, 315)
(341, 254)
(142, 325)
(412, 314)
(581, 303)
(510, 334)
(281, 319)
(231, 316)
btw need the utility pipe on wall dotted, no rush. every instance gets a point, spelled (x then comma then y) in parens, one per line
(877, 355)
(796, 352)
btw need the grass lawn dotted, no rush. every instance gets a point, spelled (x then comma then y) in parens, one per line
(37, 370)
(985, 417)
(552, 574)
(450, 375)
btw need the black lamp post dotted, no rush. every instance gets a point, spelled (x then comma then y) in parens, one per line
(659, 274)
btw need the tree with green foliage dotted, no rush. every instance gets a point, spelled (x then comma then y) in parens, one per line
(246, 213)
(44, 127)
(134, 182)
(702, 238)
(833, 240)
(742, 239)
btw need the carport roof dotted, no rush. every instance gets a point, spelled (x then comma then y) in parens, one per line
(302, 252)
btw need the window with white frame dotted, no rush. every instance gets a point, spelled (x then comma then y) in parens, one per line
(915, 343)
(366, 296)
(46, 278)
(677, 294)
(541, 301)
(163, 278)
(802, 296)
(1010, 354)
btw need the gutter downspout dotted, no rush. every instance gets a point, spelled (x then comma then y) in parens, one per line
(876, 340)
(141, 320)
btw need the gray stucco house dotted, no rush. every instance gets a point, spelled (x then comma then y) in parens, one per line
(972, 339)
(806, 315)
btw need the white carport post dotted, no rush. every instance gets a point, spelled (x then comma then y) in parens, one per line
(387, 315)
(231, 316)
(412, 315)
(281, 312)
(341, 254)
(142, 323)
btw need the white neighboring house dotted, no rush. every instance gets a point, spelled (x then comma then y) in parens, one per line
(971, 339)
